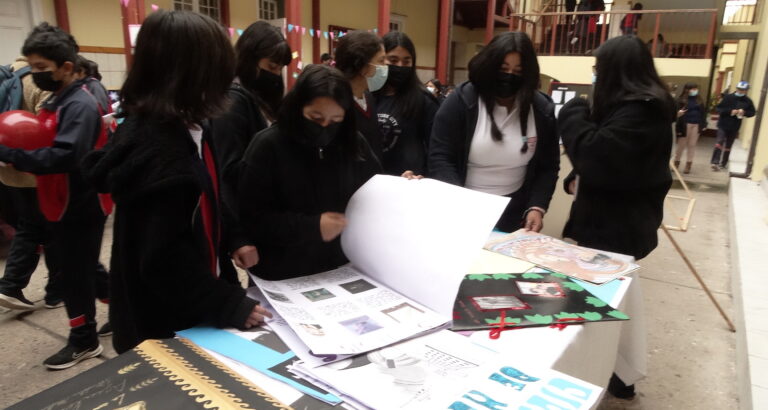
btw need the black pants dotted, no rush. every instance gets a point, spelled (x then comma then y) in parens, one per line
(723, 145)
(76, 245)
(32, 233)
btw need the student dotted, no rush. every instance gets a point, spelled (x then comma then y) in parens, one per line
(327, 59)
(620, 149)
(732, 109)
(255, 97)
(166, 273)
(405, 110)
(71, 117)
(630, 21)
(361, 57)
(298, 176)
(691, 116)
(496, 133)
(435, 87)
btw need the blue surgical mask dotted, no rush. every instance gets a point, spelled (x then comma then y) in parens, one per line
(693, 93)
(740, 94)
(379, 78)
(594, 78)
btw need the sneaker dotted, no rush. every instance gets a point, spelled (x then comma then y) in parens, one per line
(105, 330)
(15, 300)
(715, 167)
(53, 302)
(70, 356)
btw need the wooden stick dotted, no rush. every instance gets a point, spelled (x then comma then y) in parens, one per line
(698, 278)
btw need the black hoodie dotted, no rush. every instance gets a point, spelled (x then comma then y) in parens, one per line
(161, 279)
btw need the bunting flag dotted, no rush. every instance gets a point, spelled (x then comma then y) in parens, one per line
(311, 32)
(295, 54)
(231, 32)
(125, 2)
(331, 34)
(155, 7)
(325, 34)
(303, 31)
(290, 28)
(239, 32)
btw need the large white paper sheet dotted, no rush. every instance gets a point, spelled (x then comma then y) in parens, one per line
(344, 312)
(419, 237)
(444, 370)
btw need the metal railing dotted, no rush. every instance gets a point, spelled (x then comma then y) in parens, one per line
(741, 12)
(669, 33)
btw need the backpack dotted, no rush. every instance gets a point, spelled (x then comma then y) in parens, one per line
(11, 92)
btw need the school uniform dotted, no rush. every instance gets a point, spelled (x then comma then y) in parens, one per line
(75, 211)
(455, 136)
(367, 123)
(284, 188)
(166, 270)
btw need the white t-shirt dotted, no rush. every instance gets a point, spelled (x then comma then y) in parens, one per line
(498, 167)
(196, 133)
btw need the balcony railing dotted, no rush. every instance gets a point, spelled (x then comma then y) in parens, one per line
(741, 12)
(669, 33)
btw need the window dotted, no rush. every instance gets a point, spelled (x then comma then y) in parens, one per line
(397, 22)
(268, 9)
(210, 8)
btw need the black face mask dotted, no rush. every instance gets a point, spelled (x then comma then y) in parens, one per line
(44, 81)
(399, 76)
(317, 136)
(269, 87)
(507, 84)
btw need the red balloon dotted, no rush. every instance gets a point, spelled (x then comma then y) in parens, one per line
(21, 129)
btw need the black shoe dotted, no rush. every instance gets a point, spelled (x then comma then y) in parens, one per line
(70, 356)
(53, 302)
(105, 330)
(620, 390)
(15, 300)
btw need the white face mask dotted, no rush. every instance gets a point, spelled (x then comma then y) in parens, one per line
(379, 77)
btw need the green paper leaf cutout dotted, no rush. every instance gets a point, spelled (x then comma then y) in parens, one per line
(618, 315)
(537, 318)
(504, 276)
(532, 275)
(558, 275)
(591, 316)
(507, 321)
(478, 276)
(573, 286)
(595, 301)
(566, 315)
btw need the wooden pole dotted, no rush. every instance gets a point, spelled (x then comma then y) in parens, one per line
(698, 278)
(384, 11)
(443, 40)
(490, 21)
(316, 26)
(293, 17)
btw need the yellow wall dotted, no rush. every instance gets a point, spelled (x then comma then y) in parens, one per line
(49, 12)
(96, 23)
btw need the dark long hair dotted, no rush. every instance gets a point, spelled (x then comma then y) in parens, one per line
(260, 40)
(625, 72)
(485, 66)
(182, 67)
(355, 51)
(682, 99)
(409, 97)
(320, 80)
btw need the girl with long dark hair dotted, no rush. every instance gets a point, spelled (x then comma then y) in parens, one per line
(405, 110)
(691, 119)
(255, 96)
(496, 132)
(298, 176)
(361, 58)
(620, 148)
(166, 270)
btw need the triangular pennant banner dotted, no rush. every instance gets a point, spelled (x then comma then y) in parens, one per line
(290, 28)
(239, 32)
(303, 31)
(155, 7)
(125, 2)
(231, 32)
(311, 32)
(331, 34)
(325, 34)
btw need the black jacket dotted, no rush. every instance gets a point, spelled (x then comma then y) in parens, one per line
(74, 114)
(161, 279)
(232, 132)
(623, 168)
(730, 102)
(451, 139)
(368, 125)
(405, 140)
(284, 188)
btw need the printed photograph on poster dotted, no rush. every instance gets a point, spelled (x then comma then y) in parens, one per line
(278, 297)
(312, 328)
(557, 96)
(317, 295)
(358, 286)
(360, 325)
(499, 303)
(404, 313)
(547, 289)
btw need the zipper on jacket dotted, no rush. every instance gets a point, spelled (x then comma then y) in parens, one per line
(320, 152)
